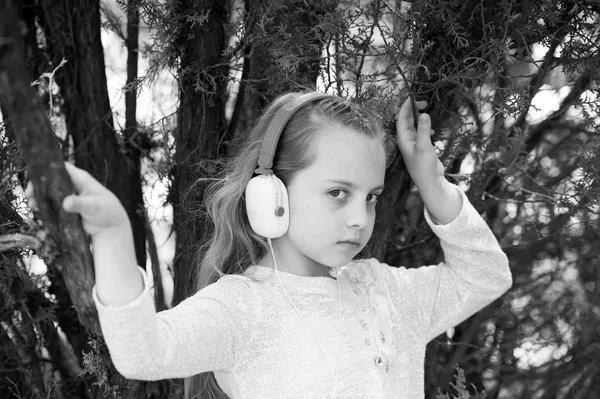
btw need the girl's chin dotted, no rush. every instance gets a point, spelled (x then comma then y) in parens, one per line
(339, 263)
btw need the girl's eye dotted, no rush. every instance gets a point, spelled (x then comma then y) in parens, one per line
(372, 198)
(338, 194)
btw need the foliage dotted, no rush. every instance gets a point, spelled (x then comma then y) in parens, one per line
(460, 388)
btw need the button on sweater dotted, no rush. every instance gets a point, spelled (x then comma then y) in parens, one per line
(244, 329)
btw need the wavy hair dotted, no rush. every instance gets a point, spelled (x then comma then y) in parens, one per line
(234, 246)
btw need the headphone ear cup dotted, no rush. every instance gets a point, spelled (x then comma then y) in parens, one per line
(267, 206)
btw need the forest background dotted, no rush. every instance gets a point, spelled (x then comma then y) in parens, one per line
(512, 88)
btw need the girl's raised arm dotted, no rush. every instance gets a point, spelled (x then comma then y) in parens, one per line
(475, 271)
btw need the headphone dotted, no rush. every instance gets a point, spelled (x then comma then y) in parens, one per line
(267, 204)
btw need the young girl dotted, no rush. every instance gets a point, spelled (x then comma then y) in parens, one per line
(295, 315)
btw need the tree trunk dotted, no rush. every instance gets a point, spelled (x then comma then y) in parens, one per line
(264, 77)
(72, 30)
(135, 141)
(46, 168)
(66, 247)
(200, 126)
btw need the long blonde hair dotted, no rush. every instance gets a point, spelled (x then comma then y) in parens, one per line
(233, 246)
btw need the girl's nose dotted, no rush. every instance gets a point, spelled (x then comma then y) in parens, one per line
(358, 215)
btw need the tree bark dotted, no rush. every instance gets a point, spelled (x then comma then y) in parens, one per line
(46, 169)
(66, 248)
(200, 126)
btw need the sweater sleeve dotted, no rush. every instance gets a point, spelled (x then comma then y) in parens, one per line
(202, 333)
(474, 273)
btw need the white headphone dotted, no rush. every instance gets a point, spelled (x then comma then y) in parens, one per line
(267, 203)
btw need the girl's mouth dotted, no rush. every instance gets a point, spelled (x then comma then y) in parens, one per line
(351, 245)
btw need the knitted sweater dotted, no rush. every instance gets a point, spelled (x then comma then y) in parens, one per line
(245, 330)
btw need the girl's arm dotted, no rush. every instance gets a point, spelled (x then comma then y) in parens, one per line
(207, 331)
(475, 271)
(118, 279)
(197, 335)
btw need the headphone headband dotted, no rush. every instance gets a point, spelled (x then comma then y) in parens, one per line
(275, 128)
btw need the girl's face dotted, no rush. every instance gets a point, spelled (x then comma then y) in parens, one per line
(332, 202)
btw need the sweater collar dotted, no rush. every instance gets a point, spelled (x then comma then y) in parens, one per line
(315, 284)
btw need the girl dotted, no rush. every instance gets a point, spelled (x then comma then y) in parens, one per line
(295, 315)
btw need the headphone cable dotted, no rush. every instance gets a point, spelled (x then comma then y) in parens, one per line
(337, 365)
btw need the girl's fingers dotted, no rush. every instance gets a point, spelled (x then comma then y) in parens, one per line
(85, 206)
(405, 141)
(406, 108)
(420, 104)
(29, 190)
(423, 139)
(30, 197)
(81, 179)
(405, 118)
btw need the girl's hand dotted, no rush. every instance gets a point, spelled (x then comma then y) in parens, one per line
(418, 153)
(440, 197)
(100, 210)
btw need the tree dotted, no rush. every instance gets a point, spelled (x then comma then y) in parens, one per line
(68, 246)
(200, 123)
